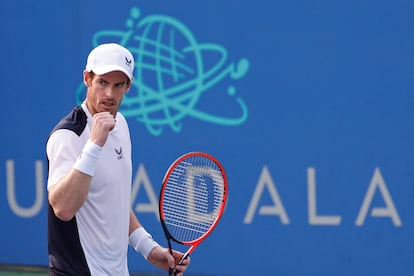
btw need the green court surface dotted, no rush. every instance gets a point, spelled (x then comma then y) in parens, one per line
(12, 270)
(7, 270)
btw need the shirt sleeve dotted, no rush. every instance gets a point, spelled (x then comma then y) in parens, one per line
(62, 149)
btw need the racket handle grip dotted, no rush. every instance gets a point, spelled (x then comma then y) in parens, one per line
(172, 272)
(180, 262)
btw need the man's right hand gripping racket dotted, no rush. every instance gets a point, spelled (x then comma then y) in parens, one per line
(192, 199)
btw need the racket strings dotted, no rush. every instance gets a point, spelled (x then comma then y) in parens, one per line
(192, 198)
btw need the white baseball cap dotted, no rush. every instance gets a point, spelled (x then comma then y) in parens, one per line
(110, 57)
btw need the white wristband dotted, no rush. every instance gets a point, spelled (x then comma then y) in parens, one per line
(86, 161)
(142, 241)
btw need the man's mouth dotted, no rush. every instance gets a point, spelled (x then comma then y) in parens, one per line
(108, 103)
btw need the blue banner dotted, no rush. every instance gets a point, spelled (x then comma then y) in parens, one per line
(307, 104)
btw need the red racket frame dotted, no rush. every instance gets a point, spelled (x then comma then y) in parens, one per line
(194, 243)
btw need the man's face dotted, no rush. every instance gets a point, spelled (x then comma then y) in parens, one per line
(105, 92)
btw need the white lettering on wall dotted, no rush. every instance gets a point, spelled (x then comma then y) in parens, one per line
(142, 179)
(390, 211)
(377, 183)
(277, 208)
(199, 212)
(313, 217)
(265, 180)
(11, 191)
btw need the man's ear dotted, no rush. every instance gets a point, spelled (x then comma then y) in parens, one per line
(86, 78)
(129, 85)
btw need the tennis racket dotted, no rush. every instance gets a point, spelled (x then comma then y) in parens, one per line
(192, 200)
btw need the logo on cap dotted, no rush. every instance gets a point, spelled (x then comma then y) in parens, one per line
(128, 62)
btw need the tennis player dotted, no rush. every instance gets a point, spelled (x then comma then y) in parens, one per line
(90, 220)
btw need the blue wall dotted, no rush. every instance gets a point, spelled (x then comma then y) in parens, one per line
(308, 104)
